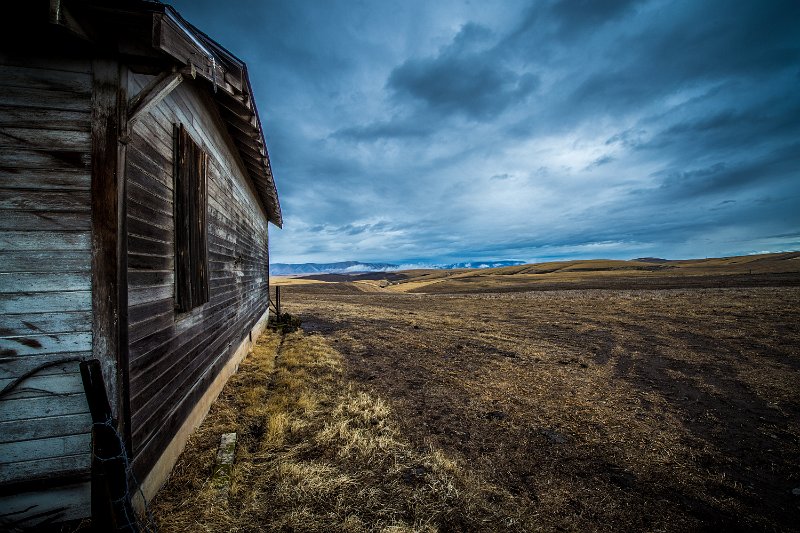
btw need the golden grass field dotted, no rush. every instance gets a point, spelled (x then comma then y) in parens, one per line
(576, 396)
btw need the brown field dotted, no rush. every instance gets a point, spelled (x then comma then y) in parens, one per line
(599, 396)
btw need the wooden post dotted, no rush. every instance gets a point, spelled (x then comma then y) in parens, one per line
(109, 244)
(109, 469)
(278, 302)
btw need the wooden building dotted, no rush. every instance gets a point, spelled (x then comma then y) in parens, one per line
(135, 193)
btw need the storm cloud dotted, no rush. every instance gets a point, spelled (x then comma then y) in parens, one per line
(448, 131)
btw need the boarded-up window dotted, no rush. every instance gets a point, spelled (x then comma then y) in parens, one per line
(191, 246)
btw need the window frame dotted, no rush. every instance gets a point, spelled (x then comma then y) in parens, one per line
(190, 211)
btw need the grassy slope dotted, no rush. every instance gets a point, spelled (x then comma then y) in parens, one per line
(741, 271)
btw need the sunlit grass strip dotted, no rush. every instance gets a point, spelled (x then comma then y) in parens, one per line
(317, 454)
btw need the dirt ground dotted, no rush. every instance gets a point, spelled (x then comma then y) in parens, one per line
(668, 409)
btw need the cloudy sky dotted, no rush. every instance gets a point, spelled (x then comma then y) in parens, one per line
(438, 131)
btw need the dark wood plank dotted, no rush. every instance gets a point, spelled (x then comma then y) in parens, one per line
(61, 140)
(44, 200)
(44, 240)
(12, 219)
(50, 63)
(45, 159)
(45, 302)
(143, 312)
(46, 406)
(46, 79)
(141, 194)
(42, 117)
(147, 229)
(45, 261)
(143, 245)
(44, 98)
(40, 428)
(149, 294)
(44, 282)
(36, 323)
(63, 180)
(147, 261)
(138, 279)
(153, 322)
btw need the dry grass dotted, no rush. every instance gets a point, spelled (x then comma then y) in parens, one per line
(600, 410)
(531, 408)
(317, 453)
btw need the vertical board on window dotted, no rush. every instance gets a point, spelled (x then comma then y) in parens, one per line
(191, 198)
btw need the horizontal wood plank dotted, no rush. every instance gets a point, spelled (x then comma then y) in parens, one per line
(147, 261)
(138, 279)
(36, 323)
(45, 261)
(51, 467)
(49, 448)
(69, 502)
(66, 364)
(45, 282)
(143, 245)
(23, 408)
(45, 159)
(44, 118)
(44, 427)
(38, 386)
(44, 240)
(48, 180)
(44, 98)
(44, 200)
(46, 344)
(47, 79)
(12, 219)
(158, 217)
(36, 138)
(151, 323)
(148, 229)
(45, 302)
(149, 294)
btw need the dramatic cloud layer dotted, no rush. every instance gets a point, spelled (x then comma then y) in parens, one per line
(443, 131)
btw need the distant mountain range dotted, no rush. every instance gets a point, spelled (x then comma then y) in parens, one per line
(286, 269)
(294, 269)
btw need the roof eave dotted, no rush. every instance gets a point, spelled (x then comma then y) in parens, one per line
(239, 103)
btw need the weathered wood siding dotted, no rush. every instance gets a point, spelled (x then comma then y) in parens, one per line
(45, 280)
(175, 356)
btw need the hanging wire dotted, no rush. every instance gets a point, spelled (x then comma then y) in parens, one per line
(147, 523)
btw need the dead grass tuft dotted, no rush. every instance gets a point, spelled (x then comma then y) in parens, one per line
(316, 453)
